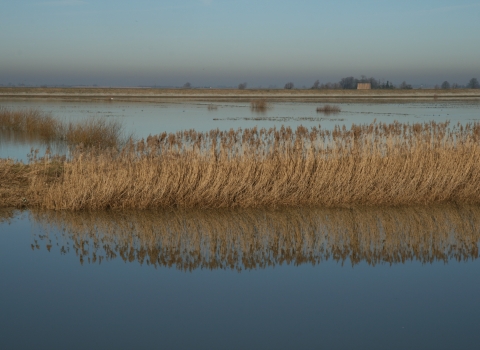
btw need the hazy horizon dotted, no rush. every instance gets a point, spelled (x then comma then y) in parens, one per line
(223, 43)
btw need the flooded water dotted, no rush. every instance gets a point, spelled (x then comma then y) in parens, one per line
(308, 278)
(365, 278)
(143, 119)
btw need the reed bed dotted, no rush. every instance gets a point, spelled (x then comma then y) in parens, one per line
(31, 122)
(245, 239)
(94, 132)
(376, 165)
(260, 105)
(329, 109)
(35, 124)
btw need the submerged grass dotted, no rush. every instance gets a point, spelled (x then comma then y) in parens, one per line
(212, 107)
(375, 164)
(329, 109)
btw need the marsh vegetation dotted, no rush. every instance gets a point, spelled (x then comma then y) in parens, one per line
(328, 109)
(260, 105)
(369, 164)
(35, 124)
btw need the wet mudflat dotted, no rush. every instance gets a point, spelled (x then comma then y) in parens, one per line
(366, 278)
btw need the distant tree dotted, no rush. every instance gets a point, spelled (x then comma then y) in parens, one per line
(187, 85)
(405, 86)
(445, 85)
(242, 86)
(455, 86)
(375, 84)
(473, 84)
(316, 84)
(289, 86)
(436, 87)
(348, 83)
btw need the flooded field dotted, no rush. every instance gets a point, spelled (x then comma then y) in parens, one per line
(300, 277)
(143, 119)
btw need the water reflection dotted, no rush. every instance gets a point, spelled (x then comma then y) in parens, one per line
(17, 145)
(253, 239)
(6, 214)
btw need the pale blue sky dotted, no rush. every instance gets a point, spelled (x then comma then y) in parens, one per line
(214, 42)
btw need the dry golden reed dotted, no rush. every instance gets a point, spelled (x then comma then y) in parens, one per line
(329, 109)
(257, 238)
(260, 105)
(34, 124)
(376, 164)
(31, 122)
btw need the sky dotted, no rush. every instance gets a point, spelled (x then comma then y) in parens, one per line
(264, 43)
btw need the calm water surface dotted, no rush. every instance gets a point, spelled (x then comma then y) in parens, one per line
(143, 119)
(405, 278)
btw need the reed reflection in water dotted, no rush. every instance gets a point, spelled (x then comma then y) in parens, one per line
(254, 238)
(21, 142)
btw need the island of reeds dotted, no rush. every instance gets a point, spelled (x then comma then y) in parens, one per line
(329, 109)
(375, 164)
(259, 105)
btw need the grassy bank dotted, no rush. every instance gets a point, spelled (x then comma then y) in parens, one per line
(146, 95)
(376, 164)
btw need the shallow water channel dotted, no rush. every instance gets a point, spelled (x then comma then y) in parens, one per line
(299, 278)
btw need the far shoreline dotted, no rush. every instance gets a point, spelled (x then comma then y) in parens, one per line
(159, 95)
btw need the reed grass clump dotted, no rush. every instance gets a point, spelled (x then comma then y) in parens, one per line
(371, 164)
(101, 133)
(329, 109)
(260, 105)
(31, 122)
(35, 124)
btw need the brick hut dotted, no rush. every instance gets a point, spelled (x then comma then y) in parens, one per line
(364, 86)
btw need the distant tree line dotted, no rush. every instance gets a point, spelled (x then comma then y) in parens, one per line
(351, 83)
(472, 84)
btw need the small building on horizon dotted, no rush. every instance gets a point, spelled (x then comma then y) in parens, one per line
(364, 86)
